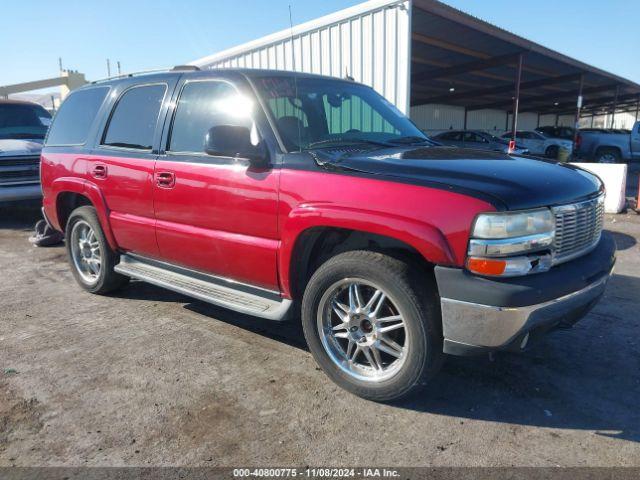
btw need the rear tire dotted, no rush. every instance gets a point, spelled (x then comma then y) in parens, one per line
(552, 152)
(90, 256)
(396, 335)
(608, 155)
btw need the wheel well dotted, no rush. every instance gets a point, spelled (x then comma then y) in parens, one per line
(66, 203)
(316, 245)
(600, 150)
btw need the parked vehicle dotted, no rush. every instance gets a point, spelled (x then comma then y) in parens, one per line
(477, 139)
(609, 146)
(539, 144)
(550, 131)
(23, 126)
(260, 190)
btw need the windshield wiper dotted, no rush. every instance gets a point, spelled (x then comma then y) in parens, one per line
(348, 141)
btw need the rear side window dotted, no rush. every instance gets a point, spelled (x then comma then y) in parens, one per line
(133, 121)
(76, 115)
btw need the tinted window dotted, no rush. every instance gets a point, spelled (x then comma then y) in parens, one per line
(474, 138)
(453, 136)
(23, 120)
(76, 115)
(133, 121)
(203, 105)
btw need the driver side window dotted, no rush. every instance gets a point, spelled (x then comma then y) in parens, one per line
(201, 106)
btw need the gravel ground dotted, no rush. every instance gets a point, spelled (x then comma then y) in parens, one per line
(149, 377)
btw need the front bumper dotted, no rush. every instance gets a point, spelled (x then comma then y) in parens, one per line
(15, 193)
(482, 314)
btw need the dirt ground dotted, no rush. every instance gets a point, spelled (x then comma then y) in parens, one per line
(149, 377)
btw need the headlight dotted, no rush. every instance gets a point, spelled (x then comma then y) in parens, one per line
(511, 243)
(513, 224)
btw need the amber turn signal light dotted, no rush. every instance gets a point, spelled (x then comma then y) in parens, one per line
(486, 266)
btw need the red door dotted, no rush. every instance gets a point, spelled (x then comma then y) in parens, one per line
(214, 214)
(126, 184)
(122, 166)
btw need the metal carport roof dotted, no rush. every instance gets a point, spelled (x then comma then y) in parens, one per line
(458, 59)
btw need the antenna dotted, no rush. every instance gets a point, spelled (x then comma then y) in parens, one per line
(119, 71)
(108, 68)
(60, 64)
(295, 77)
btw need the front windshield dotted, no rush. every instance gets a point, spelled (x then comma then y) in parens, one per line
(19, 120)
(318, 112)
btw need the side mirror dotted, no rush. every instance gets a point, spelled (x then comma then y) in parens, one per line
(235, 141)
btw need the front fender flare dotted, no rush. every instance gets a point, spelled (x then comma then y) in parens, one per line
(425, 238)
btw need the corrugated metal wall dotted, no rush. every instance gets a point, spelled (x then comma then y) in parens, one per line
(372, 46)
(621, 120)
(433, 118)
(491, 120)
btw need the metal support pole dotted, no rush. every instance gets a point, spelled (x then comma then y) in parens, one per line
(615, 105)
(516, 102)
(557, 118)
(637, 109)
(465, 119)
(577, 117)
(538, 121)
(593, 115)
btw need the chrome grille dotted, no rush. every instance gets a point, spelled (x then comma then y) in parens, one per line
(578, 228)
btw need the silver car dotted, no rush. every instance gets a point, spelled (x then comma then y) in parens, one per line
(476, 139)
(539, 144)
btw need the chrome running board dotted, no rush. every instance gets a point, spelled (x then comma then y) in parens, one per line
(208, 288)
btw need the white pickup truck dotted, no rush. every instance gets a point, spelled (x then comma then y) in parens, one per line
(608, 146)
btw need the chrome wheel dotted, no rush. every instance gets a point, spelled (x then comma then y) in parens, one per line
(608, 158)
(85, 252)
(362, 330)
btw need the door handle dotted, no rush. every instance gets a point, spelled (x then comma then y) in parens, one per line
(99, 171)
(166, 179)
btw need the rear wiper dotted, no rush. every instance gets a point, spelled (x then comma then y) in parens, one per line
(349, 141)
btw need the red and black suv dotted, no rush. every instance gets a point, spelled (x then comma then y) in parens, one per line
(261, 191)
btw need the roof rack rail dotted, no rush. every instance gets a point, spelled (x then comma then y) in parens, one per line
(132, 74)
(186, 68)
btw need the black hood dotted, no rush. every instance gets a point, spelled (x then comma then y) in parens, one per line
(508, 182)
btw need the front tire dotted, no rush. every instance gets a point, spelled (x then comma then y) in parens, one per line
(90, 257)
(373, 325)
